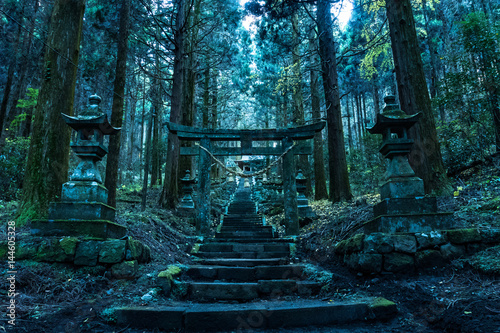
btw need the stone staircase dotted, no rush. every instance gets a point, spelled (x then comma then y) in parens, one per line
(243, 279)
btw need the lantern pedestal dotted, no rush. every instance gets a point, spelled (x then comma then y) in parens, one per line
(404, 206)
(83, 208)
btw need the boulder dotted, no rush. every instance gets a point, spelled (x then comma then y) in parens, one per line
(112, 251)
(378, 243)
(398, 262)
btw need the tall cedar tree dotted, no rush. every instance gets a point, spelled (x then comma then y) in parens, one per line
(117, 108)
(425, 157)
(320, 191)
(48, 157)
(169, 195)
(339, 177)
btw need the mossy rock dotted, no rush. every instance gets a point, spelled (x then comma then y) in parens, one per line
(125, 270)
(398, 262)
(463, 236)
(134, 249)
(383, 309)
(57, 249)
(166, 278)
(27, 249)
(487, 261)
(112, 251)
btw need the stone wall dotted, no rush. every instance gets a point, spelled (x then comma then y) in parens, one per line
(410, 252)
(119, 256)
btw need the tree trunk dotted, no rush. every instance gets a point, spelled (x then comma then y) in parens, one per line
(155, 154)
(147, 161)
(206, 96)
(170, 193)
(349, 128)
(320, 190)
(339, 178)
(111, 181)
(425, 157)
(188, 109)
(48, 157)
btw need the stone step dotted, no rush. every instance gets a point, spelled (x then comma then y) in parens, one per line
(245, 234)
(246, 255)
(198, 317)
(245, 274)
(245, 247)
(242, 262)
(250, 240)
(245, 291)
(232, 228)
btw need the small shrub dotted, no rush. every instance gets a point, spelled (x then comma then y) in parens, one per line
(12, 164)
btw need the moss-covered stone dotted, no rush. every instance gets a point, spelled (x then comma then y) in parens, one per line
(355, 243)
(50, 250)
(68, 245)
(463, 236)
(398, 262)
(87, 253)
(378, 243)
(429, 259)
(166, 278)
(27, 249)
(146, 254)
(427, 240)
(450, 251)
(112, 251)
(364, 262)
(134, 249)
(383, 309)
(125, 270)
(405, 243)
(487, 261)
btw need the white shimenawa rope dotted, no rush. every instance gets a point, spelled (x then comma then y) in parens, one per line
(241, 174)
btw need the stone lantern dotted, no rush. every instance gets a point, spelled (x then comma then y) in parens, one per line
(302, 203)
(187, 204)
(83, 207)
(404, 206)
(400, 178)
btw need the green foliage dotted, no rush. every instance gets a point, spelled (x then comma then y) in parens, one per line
(28, 103)
(366, 166)
(12, 164)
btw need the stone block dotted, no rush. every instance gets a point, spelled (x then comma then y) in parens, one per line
(405, 243)
(112, 251)
(409, 223)
(223, 290)
(277, 287)
(378, 243)
(398, 262)
(450, 251)
(365, 262)
(87, 253)
(490, 235)
(57, 250)
(25, 249)
(433, 239)
(125, 270)
(408, 187)
(92, 228)
(308, 288)
(81, 211)
(463, 236)
(429, 259)
(395, 206)
(146, 255)
(383, 309)
(152, 317)
(353, 244)
(370, 263)
(84, 191)
(134, 249)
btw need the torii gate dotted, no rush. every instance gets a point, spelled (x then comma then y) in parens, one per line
(286, 136)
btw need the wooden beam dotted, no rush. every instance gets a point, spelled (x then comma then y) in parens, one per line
(302, 149)
(295, 133)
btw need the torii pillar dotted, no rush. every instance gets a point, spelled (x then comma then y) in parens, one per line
(289, 189)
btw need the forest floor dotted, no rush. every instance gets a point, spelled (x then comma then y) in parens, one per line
(456, 298)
